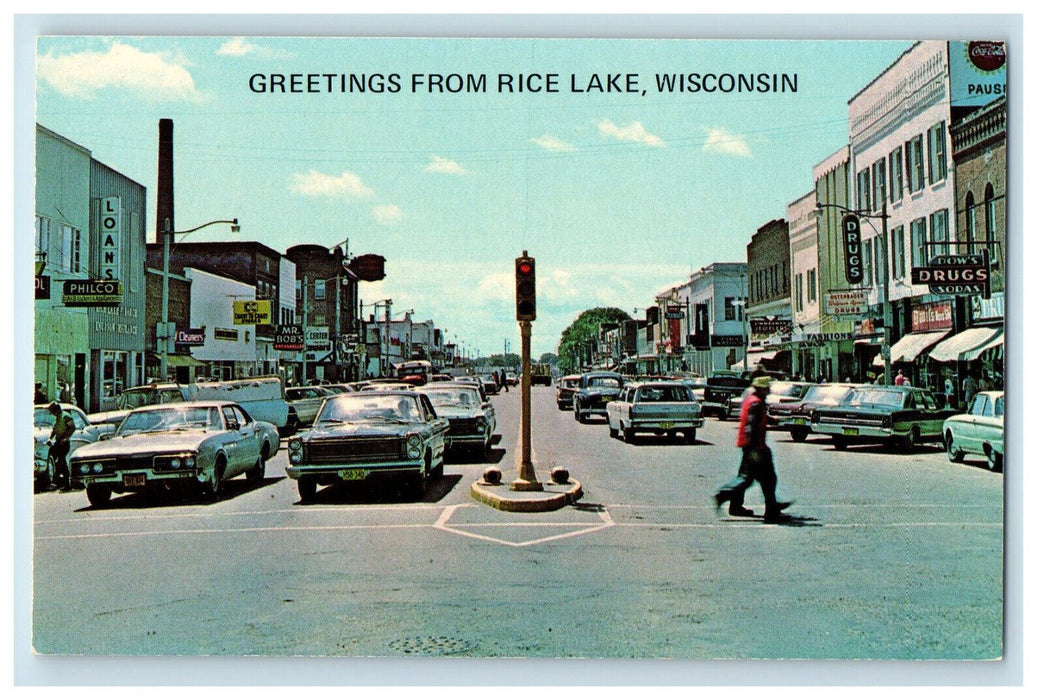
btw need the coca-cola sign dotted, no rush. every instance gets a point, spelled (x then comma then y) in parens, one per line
(986, 55)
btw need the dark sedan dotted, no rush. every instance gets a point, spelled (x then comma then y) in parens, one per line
(370, 435)
(902, 415)
(595, 392)
(797, 416)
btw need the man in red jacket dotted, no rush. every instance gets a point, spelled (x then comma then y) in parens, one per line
(756, 463)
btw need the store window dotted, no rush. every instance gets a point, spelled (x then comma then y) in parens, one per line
(991, 221)
(114, 373)
(895, 167)
(898, 254)
(937, 152)
(43, 236)
(915, 163)
(969, 220)
(940, 230)
(880, 182)
(71, 249)
(918, 242)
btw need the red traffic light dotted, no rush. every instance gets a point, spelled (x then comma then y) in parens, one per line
(525, 267)
(525, 288)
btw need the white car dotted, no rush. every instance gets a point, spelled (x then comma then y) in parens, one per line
(979, 431)
(197, 444)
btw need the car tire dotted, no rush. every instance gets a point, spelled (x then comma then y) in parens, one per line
(98, 494)
(799, 434)
(306, 489)
(577, 416)
(256, 475)
(689, 436)
(840, 443)
(954, 454)
(908, 443)
(628, 435)
(996, 460)
(212, 487)
(613, 432)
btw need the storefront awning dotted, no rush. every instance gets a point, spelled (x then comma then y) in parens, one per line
(913, 344)
(970, 344)
(180, 361)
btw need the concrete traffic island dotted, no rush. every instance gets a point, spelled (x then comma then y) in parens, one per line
(555, 494)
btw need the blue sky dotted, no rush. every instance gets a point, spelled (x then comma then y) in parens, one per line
(617, 195)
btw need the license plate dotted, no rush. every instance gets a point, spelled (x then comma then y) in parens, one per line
(133, 479)
(851, 431)
(352, 474)
(606, 399)
(800, 421)
(667, 425)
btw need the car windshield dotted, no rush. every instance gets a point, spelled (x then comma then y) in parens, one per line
(788, 389)
(664, 393)
(605, 381)
(875, 397)
(174, 418)
(452, 396)
(351, 408)
(826, 393)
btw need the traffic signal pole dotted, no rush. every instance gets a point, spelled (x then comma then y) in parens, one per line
(525, 313)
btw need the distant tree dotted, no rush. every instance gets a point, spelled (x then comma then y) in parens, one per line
(580, 339)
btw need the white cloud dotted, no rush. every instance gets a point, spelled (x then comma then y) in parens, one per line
(236, 47)
(722, 142)
(153, 76)
(552, 143)
(444, 166)
(387, 214)
(632, 132)
(316, 184)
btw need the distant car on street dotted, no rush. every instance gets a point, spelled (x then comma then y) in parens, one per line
(796, 416)
(980, 431)
(868, 414)
(595, 391)
(196, 444)
(306, 401)
(472, 419)
(780, 393)
(567, 386)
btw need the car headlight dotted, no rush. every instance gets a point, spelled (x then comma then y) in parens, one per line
(481, 423)
(296, 449)
(175, 463)
(414, 446)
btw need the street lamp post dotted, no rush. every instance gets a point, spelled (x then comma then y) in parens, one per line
(169, 234)
(886, 346)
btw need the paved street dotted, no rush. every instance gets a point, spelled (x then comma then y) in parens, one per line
(884, 555)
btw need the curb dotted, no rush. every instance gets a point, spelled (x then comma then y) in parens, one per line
(501, 497)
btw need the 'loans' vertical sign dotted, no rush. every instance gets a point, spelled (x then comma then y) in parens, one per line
(109, 249)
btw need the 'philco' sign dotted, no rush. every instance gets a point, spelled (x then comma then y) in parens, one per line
(853, 248)
(92, 293)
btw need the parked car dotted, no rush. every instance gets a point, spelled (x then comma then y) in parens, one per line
(659, 407)
(369, 436)
(979, 431)
(192, 444)
(796, 416)
(490, 384)
(262, 397)
(511, 379)
(595, 391)
(780, 392)
(43, 421)
(567, 386)
(337, 388)
(902, 415)
(472, 420)
(306, 401)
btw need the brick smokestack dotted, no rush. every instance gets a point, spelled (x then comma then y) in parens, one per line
(165, 180)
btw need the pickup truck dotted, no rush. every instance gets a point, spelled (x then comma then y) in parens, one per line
(261, 397)
(659, 407)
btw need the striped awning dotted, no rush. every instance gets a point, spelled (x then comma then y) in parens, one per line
(913, 344)
(982, 342)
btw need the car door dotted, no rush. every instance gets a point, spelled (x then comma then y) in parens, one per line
(235, 443)
(977, 427)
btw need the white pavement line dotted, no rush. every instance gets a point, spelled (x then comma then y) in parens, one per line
(212, 531)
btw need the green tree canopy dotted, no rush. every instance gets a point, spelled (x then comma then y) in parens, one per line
(578, 340)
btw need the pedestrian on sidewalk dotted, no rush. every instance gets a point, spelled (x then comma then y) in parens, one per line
(756, 462)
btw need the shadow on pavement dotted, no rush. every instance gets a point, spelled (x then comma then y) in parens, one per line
(185, 495)
(358, 494)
